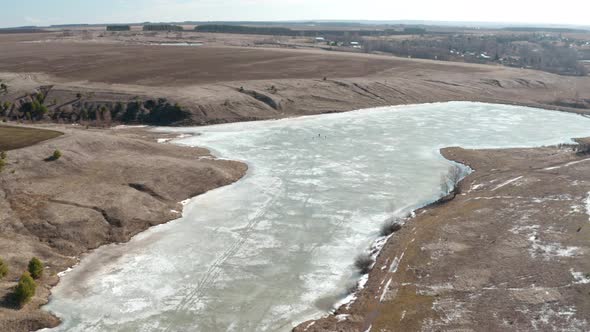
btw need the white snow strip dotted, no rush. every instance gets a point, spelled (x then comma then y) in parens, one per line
(346, 301)
(63, 273)
(308, 326)
(588, 205)
(385, 289)
(129, 126)
(363, 281)
(349, 300)
(475, 187)
(566, 165)
(395, 263)
(385, 265)
(507, 183)
(369, 329)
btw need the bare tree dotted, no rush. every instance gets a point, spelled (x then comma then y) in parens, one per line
(449, 183)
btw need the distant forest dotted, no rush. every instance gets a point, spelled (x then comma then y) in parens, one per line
(547, 52)
(162, 27)
(280, 31)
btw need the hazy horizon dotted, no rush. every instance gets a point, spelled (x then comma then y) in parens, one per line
(57, 12)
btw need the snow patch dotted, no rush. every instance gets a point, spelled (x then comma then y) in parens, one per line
(385, 289)
(554, 316)
(522, 229)
(507, 183)
(363, 281)
(395, 263)
(63, 273)
(475, 187)
(580, 277)
(566, 165)
(342, 317)
(349, 300)
(548, 250)
(403, 315)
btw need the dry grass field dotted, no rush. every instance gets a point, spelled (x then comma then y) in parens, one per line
(12, 138)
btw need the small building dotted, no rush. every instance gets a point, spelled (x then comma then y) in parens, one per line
(320, 39)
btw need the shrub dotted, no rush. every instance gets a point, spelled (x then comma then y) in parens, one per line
(2, 164)
(3, 269)
(3, 155)
(363, 263)
(390, 226)
(56, 155)
(25, 290)
(36, 268)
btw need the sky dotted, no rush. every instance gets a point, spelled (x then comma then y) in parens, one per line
(47, 12)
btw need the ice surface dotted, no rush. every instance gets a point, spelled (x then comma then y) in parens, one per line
(278, 247)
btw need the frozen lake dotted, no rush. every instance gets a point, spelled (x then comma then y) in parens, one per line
(277, 248)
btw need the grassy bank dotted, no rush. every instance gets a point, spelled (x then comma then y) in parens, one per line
(12, 138)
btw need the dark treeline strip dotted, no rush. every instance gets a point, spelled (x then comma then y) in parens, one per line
(539, 29)
(118, 28)
(22, 30)
(162, 27)
(279, 31)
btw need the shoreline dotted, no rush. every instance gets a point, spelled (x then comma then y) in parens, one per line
(366, 311)
(376, 247)
(149, 192)
(383, 240)
(148, 133)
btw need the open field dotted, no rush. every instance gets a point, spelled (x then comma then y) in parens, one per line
(179, 66)
(17, 137)
(83, 72)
